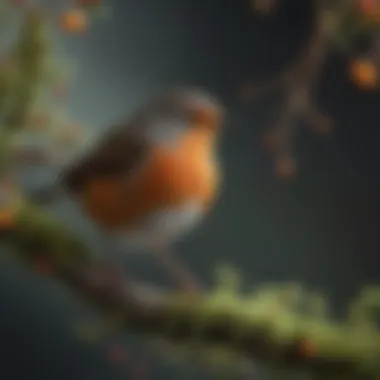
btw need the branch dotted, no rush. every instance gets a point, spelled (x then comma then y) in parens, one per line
(263, 327)
(298, 82)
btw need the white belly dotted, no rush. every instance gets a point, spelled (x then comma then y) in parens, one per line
(164, 226)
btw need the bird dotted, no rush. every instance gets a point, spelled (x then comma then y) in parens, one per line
(154, 177)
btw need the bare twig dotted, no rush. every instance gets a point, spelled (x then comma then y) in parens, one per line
(298, 82)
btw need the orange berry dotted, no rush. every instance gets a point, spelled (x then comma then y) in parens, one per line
(7, 219)
(8, 205)
(370, 9)
(308, 348)
(74, 21)
(364, 74)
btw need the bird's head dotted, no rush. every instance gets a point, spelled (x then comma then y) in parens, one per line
(200, 109)
(172, 112)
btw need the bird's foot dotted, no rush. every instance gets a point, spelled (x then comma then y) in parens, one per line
(109, 278)
(181, 274)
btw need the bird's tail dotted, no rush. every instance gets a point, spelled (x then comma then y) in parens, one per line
(73, 178)
(70, 182)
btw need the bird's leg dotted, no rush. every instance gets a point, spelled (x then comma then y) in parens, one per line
(113, 267)
(182, 275)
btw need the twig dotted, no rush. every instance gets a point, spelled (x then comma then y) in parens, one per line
(298, 81)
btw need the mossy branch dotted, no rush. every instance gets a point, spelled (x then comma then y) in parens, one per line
(282, 326)
(26, 71)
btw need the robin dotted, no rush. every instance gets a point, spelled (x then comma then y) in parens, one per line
(150, 180)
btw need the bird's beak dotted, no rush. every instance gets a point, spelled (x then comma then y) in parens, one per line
(208, 118)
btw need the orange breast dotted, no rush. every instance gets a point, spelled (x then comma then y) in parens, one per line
(170, 178)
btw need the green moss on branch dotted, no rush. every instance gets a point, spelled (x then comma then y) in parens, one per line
(271, 325)
(21, 79)
(36, 234)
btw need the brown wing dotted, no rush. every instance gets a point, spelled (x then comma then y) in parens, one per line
(119, 153)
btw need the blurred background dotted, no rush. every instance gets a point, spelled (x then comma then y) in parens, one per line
(319, 228)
